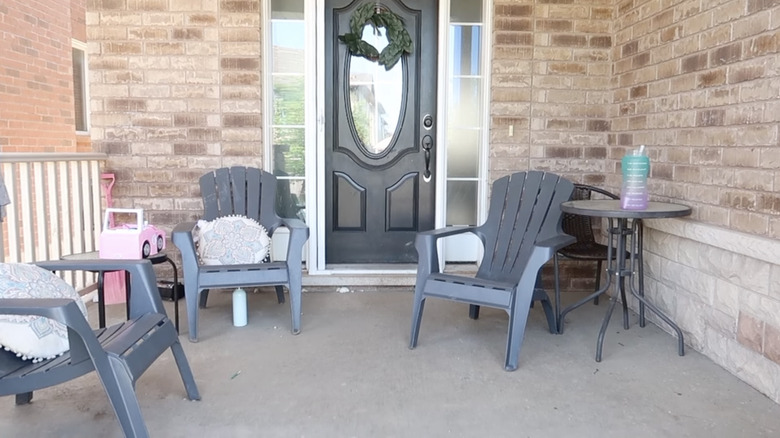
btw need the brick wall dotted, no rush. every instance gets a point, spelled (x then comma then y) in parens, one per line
(699, 84)
(36, 78)
(551, 87)
(552, 92)
(176, 90)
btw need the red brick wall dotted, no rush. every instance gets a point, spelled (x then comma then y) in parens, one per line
(36, 83)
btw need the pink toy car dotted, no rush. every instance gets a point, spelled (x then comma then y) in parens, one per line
(130, 241)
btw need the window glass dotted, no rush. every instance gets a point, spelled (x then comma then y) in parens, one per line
(462, 203)
(466, 11)
(465, 42)
(465, 98)
(288, 100)
(287, 9)
(463, 153)
(289, 151)
(288, 46)
(79, 90)
(375, 96)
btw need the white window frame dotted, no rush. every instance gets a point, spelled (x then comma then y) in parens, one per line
(82, 46)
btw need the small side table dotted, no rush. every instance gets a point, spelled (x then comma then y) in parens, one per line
(156, 259)
(622, 231)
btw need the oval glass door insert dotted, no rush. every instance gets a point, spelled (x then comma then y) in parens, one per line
(375, 97)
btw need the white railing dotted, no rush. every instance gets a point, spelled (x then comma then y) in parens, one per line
(55, 207)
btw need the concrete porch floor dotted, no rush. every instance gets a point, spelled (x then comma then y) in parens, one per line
(350, 374)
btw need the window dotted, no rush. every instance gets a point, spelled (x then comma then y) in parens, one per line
(81, 110)
(466, 89)
(287, 113)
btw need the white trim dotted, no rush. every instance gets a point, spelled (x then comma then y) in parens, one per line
(484, 173)
(317, 232)
(268, 103)
(312, 131)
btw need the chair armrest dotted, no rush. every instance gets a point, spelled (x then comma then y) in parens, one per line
(62, 310)
(428, 252)
(183, 239)
(299, 233)
(144, 296)
(556, 242)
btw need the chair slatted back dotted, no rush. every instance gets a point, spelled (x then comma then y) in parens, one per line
(524, 208)
(239, 190)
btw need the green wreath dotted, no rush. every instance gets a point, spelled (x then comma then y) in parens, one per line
(398, 39)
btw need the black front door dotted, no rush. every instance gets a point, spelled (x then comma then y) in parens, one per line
(379, 137)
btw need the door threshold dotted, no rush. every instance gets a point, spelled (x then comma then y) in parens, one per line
(375, 275)
(371, 267)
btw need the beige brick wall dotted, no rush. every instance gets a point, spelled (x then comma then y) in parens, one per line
(176, 90)
(551, 87)
(552, 93)
(699, 84)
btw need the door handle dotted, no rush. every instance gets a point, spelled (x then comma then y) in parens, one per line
(427, 145)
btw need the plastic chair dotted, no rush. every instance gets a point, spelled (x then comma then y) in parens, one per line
(247, 192)
(119, 354)
(581, 227)
(522, 232)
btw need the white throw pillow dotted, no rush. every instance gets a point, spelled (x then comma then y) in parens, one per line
(34, 337)
(231, 240)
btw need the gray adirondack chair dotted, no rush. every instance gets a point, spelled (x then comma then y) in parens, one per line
(522, 232)
(248, 192)
(119, 354)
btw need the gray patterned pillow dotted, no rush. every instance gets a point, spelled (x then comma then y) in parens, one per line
(34, 337)
(231, 240)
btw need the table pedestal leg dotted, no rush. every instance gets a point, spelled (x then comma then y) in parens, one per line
(101, 300)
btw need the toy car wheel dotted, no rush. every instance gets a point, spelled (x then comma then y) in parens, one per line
(147, 249)
(160, 243)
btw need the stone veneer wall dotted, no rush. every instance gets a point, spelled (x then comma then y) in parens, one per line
(176, 89)
(698, 82)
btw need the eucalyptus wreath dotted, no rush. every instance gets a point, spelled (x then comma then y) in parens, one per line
(398, 39)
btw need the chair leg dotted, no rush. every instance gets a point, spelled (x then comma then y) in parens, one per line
(541, 296)
(24, 398)
(518, 317)
(120, 389)
(204, 296)
(473, 311)
(280, 294)
(598, 282)
(184, 371)
(192, 314)
(417, 312)
(295, 302)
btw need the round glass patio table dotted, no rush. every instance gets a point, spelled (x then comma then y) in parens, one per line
(624, 224)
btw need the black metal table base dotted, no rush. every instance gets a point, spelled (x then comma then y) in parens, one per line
(616, 266)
